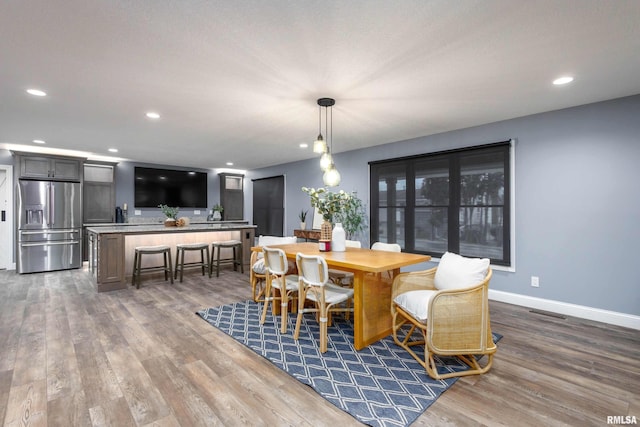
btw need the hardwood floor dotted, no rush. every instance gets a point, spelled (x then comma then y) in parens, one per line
(72, 357)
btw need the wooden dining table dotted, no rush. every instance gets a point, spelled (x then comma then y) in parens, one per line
(373, 273)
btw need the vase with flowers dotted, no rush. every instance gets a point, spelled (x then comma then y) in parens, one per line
(171, 213)
(345, 208)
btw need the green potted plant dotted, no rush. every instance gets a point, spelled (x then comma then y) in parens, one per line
(217, 211)
(339, 207)
(353, 216)
(171, 213)
(303, 219)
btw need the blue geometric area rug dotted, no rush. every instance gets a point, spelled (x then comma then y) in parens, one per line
(380, 385)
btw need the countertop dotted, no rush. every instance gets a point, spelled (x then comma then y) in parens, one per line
(160, 222)
(160, 228)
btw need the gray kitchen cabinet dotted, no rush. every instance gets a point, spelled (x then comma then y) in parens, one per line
(232, 196)
(50, 167)
(98, 196)
(98, 193)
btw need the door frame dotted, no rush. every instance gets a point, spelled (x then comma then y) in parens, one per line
(7, 258)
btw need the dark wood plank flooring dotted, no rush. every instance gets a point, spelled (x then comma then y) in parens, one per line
(72, 357)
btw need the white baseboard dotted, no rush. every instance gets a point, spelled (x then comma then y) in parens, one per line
(581, 311)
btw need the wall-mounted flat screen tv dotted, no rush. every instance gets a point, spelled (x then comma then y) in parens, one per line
(176, 188)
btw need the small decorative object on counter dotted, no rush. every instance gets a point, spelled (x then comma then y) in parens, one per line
(182, 221)
(324, 245)
(119, 215)
(338, 238)
(303, 219)
(170, 213)
(217, 212)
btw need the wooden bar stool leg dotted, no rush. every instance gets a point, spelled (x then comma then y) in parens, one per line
(218, 263)
(181, 264)
(175, 274)
(171, 266)
(202, 260)
(133, 275)
(138, 266)
(208, 263)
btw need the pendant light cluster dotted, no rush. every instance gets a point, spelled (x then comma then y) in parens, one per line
(331, 175)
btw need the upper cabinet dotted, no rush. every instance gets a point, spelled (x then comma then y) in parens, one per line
(50, 167)
(98, 193)
(232, 196)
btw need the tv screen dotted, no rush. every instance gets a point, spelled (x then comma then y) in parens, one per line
(176, 188)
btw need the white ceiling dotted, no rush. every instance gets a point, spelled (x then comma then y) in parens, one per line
(238, 80)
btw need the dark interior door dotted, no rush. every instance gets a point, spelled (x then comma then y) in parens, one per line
(268, 206)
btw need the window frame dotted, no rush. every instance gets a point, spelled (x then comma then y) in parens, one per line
(452, 157)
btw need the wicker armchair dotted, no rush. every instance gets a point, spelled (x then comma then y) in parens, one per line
(451, 320)
(257, 277)
(258, 273)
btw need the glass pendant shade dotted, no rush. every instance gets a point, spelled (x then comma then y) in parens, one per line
(326, 160)
(319, 146)
(331, 177)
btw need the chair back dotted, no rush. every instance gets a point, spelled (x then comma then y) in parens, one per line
(275, 260)
(312, 269)
(389, 247)
(352, 243)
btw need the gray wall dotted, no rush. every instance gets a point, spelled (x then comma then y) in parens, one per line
(577, 202)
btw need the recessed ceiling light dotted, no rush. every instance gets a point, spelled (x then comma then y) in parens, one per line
(38, 141)
(36, 92)
(304, 145)
(153, 115)
(229, 163)
(563, 80)
(113, 150)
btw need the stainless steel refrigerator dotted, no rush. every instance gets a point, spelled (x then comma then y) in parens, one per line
(49, 225)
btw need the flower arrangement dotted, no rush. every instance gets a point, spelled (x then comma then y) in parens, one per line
(168, 211)
(217, 208)
(326, 202)
(345, 208)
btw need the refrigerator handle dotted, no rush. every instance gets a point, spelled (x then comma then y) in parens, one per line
(52, 212)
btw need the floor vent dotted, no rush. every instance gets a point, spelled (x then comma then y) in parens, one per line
(548, 313)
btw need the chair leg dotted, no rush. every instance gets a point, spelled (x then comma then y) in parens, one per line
(267, 298)
(213, 252)
(323, 329)
(139, 265)
(133, 275)
(302, 296)
(181, 265)
(208, 263)
(171, 266)
(218, 263)
(175, 272)
(284, 309)
(240, 256)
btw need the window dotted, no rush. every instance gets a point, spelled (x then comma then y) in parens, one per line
(454, 201)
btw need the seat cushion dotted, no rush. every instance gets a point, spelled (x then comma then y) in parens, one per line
(292, 282)
(333, 294)
(259, 267)
(457, 272)
(416, 303)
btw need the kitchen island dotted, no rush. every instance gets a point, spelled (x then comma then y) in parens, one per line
(111, 247)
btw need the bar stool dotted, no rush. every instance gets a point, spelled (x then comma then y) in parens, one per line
(203, 263)
(149, 250)
(236, 245)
